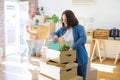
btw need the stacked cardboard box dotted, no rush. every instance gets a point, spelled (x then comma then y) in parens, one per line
(44, 77)
(58, 71)
(59, 66)
(91, 72)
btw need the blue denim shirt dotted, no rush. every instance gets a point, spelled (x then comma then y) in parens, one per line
(59, 32)
(79, 36)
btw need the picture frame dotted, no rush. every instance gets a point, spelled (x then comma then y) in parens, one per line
(84, 2)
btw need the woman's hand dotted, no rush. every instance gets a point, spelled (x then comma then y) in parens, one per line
(55, 38)
(70, 49)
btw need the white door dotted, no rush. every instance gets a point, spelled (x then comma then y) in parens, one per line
(24, 7)
(12, 27)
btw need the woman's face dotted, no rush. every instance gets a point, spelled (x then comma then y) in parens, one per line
(64, 19)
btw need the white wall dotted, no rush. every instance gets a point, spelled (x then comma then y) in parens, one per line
(106, 13)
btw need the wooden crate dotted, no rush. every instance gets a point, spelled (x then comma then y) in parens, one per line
(61, 56)
(101, 34)
(89, 33)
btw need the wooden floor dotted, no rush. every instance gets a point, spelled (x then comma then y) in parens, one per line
(107, 70)
(13, 69)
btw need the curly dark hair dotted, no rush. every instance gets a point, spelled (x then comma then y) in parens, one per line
(71, 19)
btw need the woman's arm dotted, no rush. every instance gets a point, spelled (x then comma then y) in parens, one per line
(80, 36)
(58, 34)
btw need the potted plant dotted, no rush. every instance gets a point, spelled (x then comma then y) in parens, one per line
(38, 52)
(55, 23)
(36, 22)
(54, 18)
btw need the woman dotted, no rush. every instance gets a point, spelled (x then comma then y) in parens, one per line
(74, 34)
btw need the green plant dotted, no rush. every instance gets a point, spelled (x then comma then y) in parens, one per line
(55, 18)
(65, 47)
(36, 20)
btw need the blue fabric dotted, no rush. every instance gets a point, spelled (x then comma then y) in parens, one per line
(55, 45)
(60, 32)
(79, 36)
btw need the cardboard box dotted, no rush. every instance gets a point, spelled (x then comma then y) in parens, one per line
(44, 77)
(77, 78)
(58, 71)
(62, 41)
(52, 27)
(89, 65)
(92, 74)
(42, 31)
(41, 18)
(61, 56)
